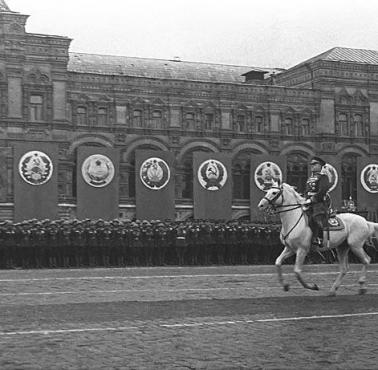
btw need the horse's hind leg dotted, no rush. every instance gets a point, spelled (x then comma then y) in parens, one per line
(342, 256)
(365, 259)
(286, 253)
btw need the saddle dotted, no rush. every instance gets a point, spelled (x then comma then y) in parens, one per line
(335, 223)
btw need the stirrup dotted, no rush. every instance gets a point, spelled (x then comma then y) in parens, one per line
(317, 242)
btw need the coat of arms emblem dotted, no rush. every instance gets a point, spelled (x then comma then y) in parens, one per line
(154, 173)
(369, 178)
(267, 174)
(97, 170)
(35, 167)
(212, 174)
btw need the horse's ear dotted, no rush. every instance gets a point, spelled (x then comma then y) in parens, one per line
(275, 184)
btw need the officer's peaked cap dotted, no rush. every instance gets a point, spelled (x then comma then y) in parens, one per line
(319, 160)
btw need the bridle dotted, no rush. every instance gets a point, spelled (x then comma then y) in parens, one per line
(274, 208)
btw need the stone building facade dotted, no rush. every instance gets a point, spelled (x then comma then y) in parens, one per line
(327, 105)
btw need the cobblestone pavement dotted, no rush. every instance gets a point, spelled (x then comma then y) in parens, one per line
(185, 318)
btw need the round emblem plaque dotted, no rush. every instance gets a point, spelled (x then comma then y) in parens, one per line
(369, 178)
(97, 170)
(35, 167)
(154, 173)
(212, 174)
(267, 174)
(332, 174)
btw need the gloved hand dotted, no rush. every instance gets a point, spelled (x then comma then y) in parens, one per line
(306, 204)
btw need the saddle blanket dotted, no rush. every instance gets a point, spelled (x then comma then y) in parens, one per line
(335, 224)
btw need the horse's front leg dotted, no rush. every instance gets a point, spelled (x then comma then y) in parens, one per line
(286, 253)
(299, 261)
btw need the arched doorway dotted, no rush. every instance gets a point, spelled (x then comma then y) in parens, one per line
(184, 175)
(297, 170)
(241, 175)
(349, 176)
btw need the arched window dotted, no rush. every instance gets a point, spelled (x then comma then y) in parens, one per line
(209, 121)
(259, 124)
(305, 127)
(343, 124)
(137, 118)
(156, 119)
(124, 181)
(287, 127)
(297, 170)
(187, 190)
(132, 175)
(81, 116)
(349, 176)
(240, 123)
(358, 125)
(241, 174)
(241, 180)
(184, 175)
(36, 108)
(189, 122)
(102, 114)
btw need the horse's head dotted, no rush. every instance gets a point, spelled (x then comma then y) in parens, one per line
(271, 198)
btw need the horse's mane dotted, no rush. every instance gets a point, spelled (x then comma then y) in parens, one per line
(292, 190)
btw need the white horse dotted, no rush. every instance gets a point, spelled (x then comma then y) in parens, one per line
(296, 236)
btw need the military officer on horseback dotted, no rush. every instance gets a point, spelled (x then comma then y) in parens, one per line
(316, 203)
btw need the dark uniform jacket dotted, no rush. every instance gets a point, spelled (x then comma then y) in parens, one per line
(317, 187)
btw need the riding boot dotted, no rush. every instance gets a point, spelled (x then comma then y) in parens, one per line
(316, 238)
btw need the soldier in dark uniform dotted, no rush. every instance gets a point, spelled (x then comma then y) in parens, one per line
(127, 242)
(316, 205)
(193, 242)
(160, 237)
(180, 243)
(148, 245)
(135, 244)
(78, 250)
(220, 242)
(91, 237)
(10, 245)
(116, 252)
(53, 244)
(40, 245)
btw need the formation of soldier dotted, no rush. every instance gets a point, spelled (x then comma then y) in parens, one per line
(122, 242)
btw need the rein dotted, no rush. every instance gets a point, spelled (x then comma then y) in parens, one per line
(293, 207)
(275, 206)
(284, 237)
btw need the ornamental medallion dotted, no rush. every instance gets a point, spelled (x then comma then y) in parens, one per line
(35, 167)
(333, 177)
(212, 174)
(267, 174)
(369, 178)
(154, 173)
(97, 170)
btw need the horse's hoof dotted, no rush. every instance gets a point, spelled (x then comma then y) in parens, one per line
(362, 291)
(286, 287)
(315, 287)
